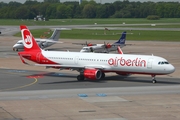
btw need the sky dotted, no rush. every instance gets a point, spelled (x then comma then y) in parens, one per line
(103, 1)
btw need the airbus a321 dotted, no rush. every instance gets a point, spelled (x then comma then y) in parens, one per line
(93, 66)
(43, 43)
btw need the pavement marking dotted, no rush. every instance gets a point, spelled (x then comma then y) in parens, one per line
(82, 95)
(88, 111)
(35, 81)
(111, 119)
(17, 72)
(104, 99)
(101, 94)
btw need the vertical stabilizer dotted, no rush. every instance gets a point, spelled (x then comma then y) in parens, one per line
(56, 34)
(122, 39)
(28, 40)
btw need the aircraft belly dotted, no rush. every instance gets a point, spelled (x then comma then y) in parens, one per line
(131, 69)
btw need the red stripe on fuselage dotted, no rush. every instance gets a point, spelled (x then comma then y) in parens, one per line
(36, 57)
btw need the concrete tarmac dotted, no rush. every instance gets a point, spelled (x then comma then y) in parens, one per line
(29, 92)
(26, 80)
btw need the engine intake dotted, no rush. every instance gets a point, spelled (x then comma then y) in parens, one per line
(44, 44)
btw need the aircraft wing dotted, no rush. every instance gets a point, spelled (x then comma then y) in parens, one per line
(71, 67)
(117, 44)
(50, 41)
(85, 44)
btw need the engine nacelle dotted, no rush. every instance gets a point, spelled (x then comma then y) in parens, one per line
(44, 44)
(108, 45)
(92, 74)
(123, 74)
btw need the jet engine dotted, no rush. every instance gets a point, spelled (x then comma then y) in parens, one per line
(44, 44)
(92, 74)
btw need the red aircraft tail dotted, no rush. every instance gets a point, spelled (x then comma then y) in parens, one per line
(31, 48)
(28, 40)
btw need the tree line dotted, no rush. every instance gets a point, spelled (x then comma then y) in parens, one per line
(54, 9)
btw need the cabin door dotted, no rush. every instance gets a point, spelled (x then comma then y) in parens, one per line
(149, 64)
(76, 59)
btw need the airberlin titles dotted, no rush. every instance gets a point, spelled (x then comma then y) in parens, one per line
(138, 62)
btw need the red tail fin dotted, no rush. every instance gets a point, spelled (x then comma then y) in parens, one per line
(28, 40)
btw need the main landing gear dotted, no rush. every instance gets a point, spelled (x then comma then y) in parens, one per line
(103, 75)
(153, 79)
(15, 49)
(80, 77)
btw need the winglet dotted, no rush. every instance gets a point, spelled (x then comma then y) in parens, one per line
(119, 50)
(23, 27)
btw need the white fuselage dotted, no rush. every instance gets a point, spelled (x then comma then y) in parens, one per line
(143, 64)
(45, 42)
(99, 48)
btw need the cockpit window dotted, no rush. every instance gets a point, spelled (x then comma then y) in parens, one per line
(162, 62)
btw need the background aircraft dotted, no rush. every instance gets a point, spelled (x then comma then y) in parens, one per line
(92, 65)
(43, 43)
(106, 47)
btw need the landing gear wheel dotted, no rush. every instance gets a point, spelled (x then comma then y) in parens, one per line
(80, 77)
(15, 49)
(154, 81)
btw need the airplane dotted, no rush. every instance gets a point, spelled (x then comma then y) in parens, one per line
(93, 66)
(104, 48)
(43, 43)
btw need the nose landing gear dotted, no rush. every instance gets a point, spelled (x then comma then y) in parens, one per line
(153, 79)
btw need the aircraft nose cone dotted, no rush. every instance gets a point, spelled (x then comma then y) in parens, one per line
(171, 68)
(14, 46)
